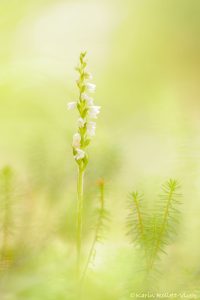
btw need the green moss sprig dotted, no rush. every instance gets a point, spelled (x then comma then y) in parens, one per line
(153, 231)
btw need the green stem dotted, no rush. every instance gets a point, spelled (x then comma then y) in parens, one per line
(162, 230)
(98, 226)
(79, 217)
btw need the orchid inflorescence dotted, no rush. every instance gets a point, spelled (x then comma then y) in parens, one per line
(87, 112)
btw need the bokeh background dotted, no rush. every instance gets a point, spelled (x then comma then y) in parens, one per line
(144, 56)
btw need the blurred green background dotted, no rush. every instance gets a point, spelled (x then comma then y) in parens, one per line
(144, 56)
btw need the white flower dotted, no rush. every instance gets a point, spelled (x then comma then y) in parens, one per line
(81, 122)
(91, 87)
(88, 75)
(91, 127)
(88, 99)
(94, 111)
(76, 140)
(80, 154)
(71, 105)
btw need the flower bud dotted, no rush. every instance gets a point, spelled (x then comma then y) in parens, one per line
(76, 140)
(91, 87)
(80, 154)
(71, 105)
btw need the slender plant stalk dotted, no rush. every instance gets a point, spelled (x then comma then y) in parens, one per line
(163, 227)
(97, 229)
(80, 185)
(135, 219)
(87, 111)
(140, 221)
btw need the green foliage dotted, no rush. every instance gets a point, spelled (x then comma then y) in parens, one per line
(152, 233)
(135, 222)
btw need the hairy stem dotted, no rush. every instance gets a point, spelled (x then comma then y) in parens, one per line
(162, 230)
(140, 222)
